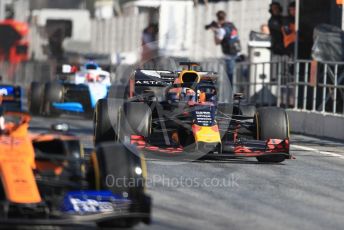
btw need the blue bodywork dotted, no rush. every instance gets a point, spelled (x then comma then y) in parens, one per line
(69, 106)
(96, 91)
(91, 202)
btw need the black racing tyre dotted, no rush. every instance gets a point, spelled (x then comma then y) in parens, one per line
(272, 123)
(105, 120)
(135, 119)
(53, 93)
(122, 170)
(36, 98)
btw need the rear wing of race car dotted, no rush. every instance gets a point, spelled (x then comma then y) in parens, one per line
(156, 78)
(153, 78)
(68, 72)
(66, 69)
(10, 98)
(144, 82)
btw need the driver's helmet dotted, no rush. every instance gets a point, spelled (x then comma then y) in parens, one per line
(188, 94)
(91, 65)
(92, 77)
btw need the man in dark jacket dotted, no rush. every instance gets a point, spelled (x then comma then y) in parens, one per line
(275, 27)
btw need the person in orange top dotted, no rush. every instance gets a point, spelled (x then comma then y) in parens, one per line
(289, 29)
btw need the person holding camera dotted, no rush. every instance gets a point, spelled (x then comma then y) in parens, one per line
(226, 35)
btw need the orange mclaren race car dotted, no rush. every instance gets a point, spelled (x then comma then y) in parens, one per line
(46, 179)
(179, 113)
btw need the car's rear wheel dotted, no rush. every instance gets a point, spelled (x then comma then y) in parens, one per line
(53, 93)
(122, 170)
(36, 98)
(272, 123)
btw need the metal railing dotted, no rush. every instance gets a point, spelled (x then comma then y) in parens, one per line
(302, 84)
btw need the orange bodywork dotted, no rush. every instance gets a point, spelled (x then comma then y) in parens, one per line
(291, 37)
(22, 29)
(17, 161)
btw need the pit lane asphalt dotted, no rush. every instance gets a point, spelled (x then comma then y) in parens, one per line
(306, 193)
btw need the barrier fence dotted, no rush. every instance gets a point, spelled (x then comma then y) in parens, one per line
(302, 85)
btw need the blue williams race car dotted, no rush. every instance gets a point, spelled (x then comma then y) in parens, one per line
(10, 97)
(76, 91)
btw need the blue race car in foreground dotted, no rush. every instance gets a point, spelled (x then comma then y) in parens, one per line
(76, 91)
(11, 97)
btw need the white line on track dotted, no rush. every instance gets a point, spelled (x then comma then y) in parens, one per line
(319, 151)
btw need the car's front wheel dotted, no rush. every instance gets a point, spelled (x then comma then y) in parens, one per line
(272, 123)
(122, 170)
(35, 98)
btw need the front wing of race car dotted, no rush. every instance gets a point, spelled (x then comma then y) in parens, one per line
(11, 97)
(255, 148)
(249, 148)
(78, 207)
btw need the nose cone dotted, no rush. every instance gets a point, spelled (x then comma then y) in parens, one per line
(206, 134)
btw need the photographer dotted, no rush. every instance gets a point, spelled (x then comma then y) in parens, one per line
(226, 35)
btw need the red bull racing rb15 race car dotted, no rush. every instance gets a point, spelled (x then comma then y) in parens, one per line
(47, 179)
(179, 113)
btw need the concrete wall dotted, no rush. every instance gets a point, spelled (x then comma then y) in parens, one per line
(20, 7)
(317, 124)
(122, 34)
(3, 8)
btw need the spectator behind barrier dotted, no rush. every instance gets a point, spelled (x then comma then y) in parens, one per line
(226, 35)
(275, 25)
(289, 30)
(149, 43)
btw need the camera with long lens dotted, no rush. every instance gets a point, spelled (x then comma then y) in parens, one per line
(213, 24)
